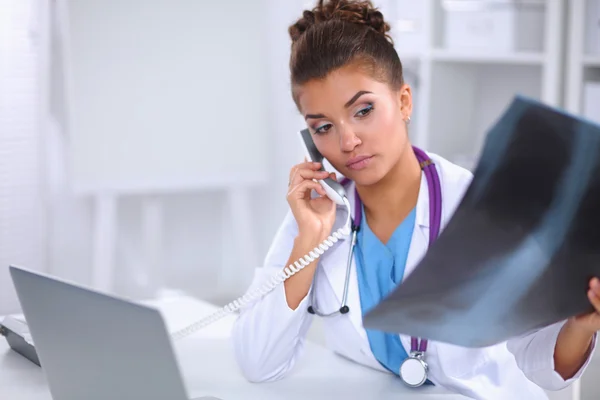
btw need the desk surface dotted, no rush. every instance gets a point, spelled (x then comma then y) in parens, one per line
(208, 368)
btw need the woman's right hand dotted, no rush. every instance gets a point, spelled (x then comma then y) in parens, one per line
(315, 217)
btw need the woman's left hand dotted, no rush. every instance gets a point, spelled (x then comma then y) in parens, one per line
(590, 322)
(575, 338)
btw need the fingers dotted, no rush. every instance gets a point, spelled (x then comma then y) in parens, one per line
(594, 299)
(300, 190)
(594, 293)
(304, 174)
(595, 285)
(306, 171)
(305, 165)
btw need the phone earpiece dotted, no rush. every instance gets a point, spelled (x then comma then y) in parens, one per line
(335, 191)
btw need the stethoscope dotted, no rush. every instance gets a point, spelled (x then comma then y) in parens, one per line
(413, 369)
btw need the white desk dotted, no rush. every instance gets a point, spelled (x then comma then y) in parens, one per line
(207, 363)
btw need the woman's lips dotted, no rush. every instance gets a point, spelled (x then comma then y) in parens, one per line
(359, 162)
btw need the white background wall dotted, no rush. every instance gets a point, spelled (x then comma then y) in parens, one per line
(192, 219)
(45, 226)
(22, 225)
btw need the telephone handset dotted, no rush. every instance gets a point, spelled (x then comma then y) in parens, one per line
(336, 192)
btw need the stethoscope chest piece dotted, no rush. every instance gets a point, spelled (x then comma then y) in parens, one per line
(413, 370)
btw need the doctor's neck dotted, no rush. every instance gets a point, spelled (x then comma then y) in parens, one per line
(389, 201)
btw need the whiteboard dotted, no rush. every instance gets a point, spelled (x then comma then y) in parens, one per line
(165, 95)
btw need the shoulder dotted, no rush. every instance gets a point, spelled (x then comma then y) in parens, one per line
(452, 176)
(454, 181)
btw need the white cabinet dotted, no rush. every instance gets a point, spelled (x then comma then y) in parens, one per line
(467, 74)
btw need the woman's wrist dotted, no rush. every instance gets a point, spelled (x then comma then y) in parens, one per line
(579, 328)
(310, 239)
(306, 243)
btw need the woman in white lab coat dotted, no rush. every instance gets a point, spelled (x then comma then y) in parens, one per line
(347, 82)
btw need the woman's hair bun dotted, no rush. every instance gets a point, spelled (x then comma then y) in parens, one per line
(359, 12)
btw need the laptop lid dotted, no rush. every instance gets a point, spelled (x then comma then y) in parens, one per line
(96, 346)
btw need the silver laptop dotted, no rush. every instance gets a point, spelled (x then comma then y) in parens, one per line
(96, 347)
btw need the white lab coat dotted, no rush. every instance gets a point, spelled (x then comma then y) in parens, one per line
(268, 336)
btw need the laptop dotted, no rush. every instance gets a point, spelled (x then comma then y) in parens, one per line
(95, 346)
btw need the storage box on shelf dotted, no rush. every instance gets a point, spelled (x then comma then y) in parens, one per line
(410, 24)
(494, 26)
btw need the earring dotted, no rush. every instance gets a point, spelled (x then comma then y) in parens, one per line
(408, 121)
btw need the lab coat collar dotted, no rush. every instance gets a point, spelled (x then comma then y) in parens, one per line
(334, 262)
(422, 211)
(422, 217)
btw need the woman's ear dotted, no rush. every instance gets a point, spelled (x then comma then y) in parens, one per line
(405, 100)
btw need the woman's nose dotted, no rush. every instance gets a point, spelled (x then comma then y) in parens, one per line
(348, 140)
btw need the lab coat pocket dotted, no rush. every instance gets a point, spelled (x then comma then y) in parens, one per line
(461, 362)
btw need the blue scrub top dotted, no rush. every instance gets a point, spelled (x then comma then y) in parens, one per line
(380, 268)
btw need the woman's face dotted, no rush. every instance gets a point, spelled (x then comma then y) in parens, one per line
(357, 123)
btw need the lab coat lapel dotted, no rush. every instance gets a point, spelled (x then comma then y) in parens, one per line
(334, 265)
(335, 269)
(335, 259)
(420, 237)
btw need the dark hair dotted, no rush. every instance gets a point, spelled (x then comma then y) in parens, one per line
(339, 33)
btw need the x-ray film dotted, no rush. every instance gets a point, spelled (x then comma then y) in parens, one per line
(520, 249)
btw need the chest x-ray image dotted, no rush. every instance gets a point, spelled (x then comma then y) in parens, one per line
(524, 242)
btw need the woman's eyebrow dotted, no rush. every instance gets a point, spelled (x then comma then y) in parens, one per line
(355, 97)
(314, 116)
(348, 104)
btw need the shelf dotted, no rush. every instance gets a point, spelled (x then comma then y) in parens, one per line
(521, 58)
(592, 60)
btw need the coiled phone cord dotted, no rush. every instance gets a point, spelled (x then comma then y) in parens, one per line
(272, 283)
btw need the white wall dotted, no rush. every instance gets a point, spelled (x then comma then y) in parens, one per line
(167, 95)
(22, 221)
(193, 220)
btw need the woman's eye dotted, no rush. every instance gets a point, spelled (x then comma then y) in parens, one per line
(323, 128)
(365, 111)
